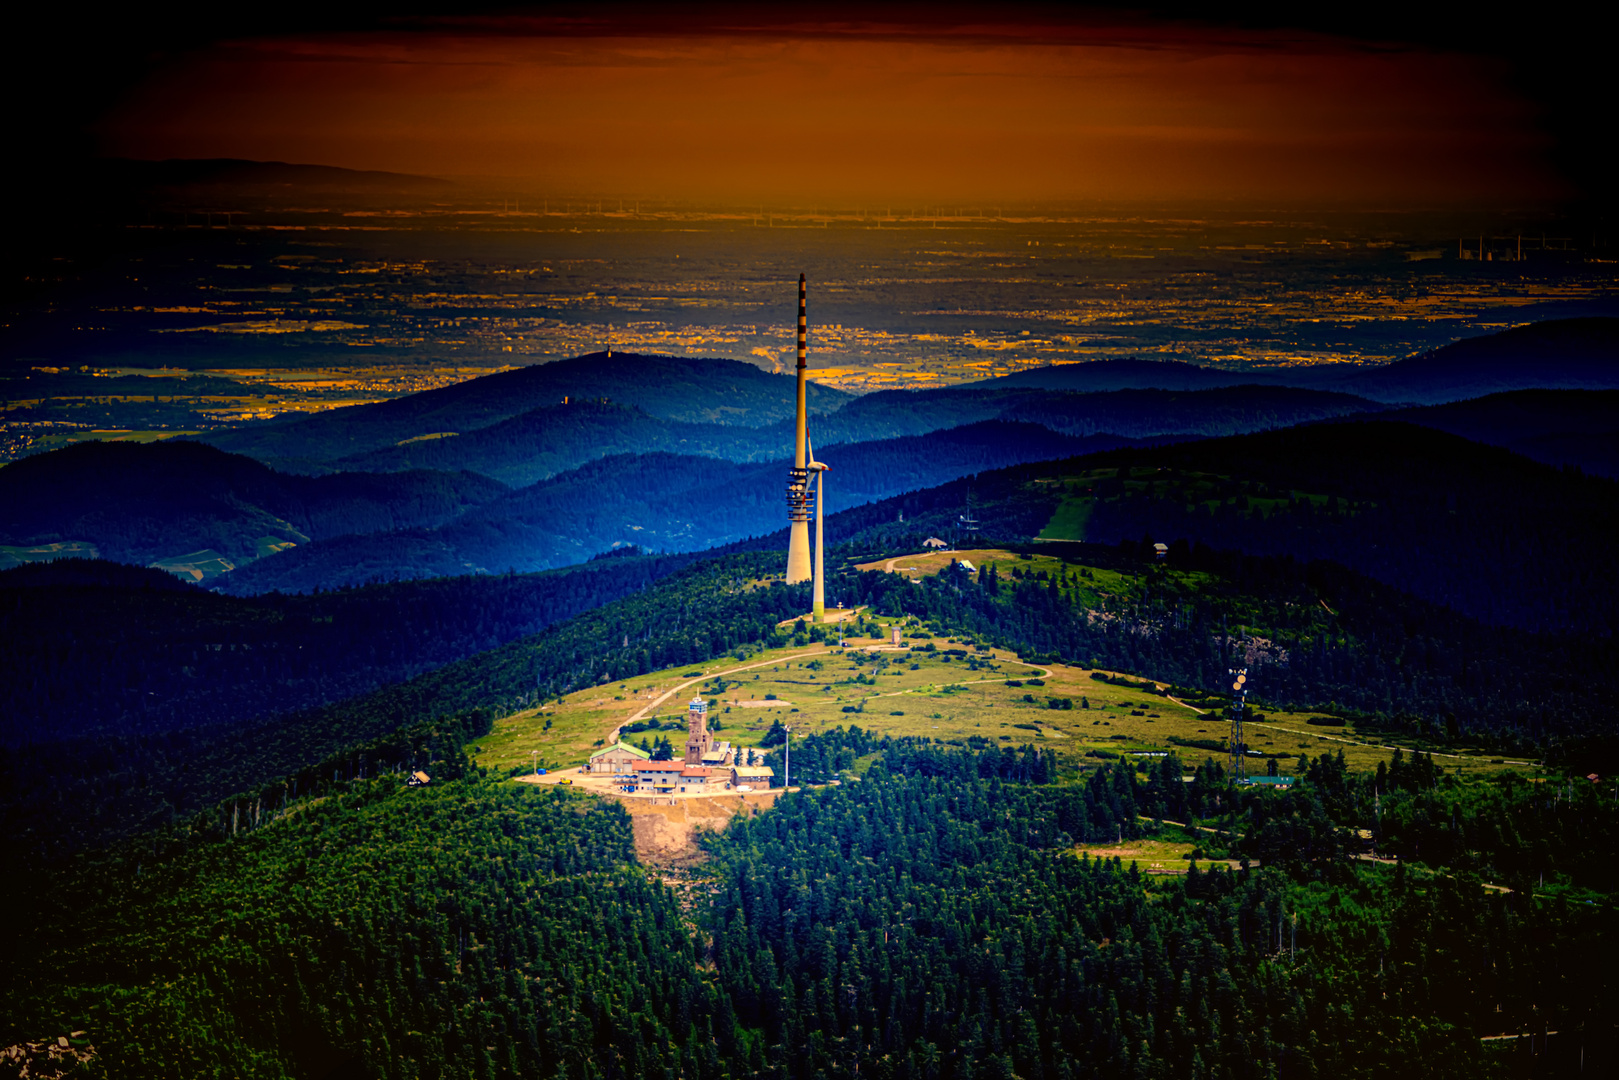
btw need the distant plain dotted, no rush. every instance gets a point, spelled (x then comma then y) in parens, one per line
(195, 324)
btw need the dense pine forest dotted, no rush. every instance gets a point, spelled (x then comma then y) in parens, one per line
(462, 930)
(930, 919)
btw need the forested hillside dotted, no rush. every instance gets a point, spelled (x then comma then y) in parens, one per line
(1313, 635)
(136, 769)
(1319, 637)
(1556, 427)
(929, 920)
(687, 389)
(1478, 529)
(665, 502)
(1554, 354)
(94, 648)
(140, 502)
(459, 930)
(933, 924)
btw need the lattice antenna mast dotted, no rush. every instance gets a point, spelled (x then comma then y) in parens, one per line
(1239, 697)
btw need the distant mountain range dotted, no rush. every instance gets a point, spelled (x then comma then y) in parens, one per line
(555, 438)
(687, 390)
(152, 502)
(1579, 428)
(659, 501)
(1098, 375)
(1561, 354)
(1558, 354)
(545, 441)
(545, 466)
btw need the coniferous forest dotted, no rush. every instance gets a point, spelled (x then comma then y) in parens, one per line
(930, 920)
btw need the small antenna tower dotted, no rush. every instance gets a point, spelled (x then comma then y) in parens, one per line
(1239, 695)
(967, 520)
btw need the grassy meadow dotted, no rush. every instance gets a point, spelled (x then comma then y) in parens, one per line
(933, 686)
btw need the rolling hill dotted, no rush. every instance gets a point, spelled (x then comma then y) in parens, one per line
(551, 439)
(696, 391)
(1557, 427)
(145, 502)
(1099, 375)
(1560, 354)
(661, 501)
(1479, 529)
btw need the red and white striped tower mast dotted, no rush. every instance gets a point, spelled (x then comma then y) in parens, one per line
(798, 490)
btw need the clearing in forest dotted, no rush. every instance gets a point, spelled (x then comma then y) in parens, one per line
(1154, 855)
(936, 686)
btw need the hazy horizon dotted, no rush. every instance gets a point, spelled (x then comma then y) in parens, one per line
(1026, 106)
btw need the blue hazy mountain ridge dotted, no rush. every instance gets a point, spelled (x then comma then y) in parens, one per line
(1125, 374)
(1134, 414)
(1210, 413)
(1479, 529)
(552, 439)
(545, 441)
(141, 502)
(233, 523)
(1574, 352)
(1578, 353)
(1579, 428)
(101, 647)
(1558, 354)
(663, 501)
(691, 390)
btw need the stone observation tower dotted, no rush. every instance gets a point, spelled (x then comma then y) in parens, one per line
(698, 740)
(798, 489)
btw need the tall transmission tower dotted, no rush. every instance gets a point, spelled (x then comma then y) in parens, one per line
(798, 489)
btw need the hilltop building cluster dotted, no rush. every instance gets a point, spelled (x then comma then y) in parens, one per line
(708, 765)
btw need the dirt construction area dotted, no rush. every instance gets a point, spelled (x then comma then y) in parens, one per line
(666, 825)
(666, 828)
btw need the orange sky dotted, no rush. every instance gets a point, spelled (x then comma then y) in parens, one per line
(901, 113)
